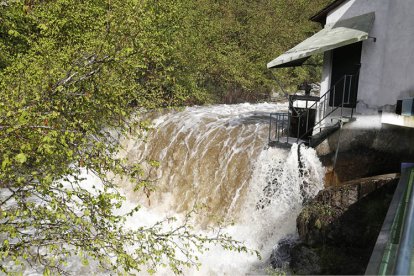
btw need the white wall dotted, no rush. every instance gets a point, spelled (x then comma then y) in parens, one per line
(387, 70)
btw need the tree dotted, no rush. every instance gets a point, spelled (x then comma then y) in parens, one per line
(234, 40)
(71, 74)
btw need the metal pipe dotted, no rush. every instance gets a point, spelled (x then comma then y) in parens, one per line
(349, 89)
(278, 82)
(288, 127)
(277, 128)
(343, 95)
(337, 147)
(307, 120)
(298, 133)
(270, 127)
(404, 253)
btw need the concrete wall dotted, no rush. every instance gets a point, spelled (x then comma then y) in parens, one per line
(387, 70)
(367, 147)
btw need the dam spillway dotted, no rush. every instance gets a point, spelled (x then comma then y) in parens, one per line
(216, 157)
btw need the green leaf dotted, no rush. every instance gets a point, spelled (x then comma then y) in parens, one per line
(85, 261)
(21, 158)
(13, 33)
(46, 272)
(5, 162)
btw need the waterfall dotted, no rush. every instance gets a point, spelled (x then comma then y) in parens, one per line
(218, 156)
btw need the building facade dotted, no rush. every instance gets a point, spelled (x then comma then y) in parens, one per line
(371, 38)
(387, 57)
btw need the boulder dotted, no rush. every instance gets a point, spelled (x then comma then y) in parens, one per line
(304, 261)
(340, 226)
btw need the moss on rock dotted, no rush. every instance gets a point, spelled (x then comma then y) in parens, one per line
(340, 226)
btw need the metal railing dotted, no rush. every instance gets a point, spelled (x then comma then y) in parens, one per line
(393, 251)
(279, 126)
(280, 129)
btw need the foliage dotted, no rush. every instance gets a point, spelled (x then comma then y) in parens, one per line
(78, 69)
(71, 73)
(234, 40)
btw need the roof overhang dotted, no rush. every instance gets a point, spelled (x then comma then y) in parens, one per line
(322, 14)
(335, 35)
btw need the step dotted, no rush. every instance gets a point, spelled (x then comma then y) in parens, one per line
(344, 119)
(285, 142)
(323, 134)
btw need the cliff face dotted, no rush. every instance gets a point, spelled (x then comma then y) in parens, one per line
(339, 212)
(339, 227)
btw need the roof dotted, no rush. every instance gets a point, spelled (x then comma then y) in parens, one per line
(321, 15)
(334, 35)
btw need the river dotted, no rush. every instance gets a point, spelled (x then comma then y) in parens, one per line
(217, 156)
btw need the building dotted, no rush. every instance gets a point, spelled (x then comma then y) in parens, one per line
(364, 122)
(368, 65)
(378, 35)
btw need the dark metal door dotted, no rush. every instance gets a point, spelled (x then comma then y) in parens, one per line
(345, 61)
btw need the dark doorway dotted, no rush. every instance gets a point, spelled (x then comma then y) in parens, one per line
(346, 62)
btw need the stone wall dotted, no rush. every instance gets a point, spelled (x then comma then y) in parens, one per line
(338, 229)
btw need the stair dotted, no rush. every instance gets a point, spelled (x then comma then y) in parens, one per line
(331, 117)
(325, 132)
(319, 137)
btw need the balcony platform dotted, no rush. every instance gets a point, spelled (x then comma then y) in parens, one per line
(287, 142)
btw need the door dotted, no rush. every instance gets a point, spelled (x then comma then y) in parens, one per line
(346, 62)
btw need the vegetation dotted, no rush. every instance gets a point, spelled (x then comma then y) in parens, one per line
(236, 39)
(72, 71)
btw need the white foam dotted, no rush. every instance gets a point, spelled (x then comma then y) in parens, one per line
(263, 206)
(259, 228)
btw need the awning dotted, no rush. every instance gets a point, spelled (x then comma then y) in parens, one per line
(335, 35)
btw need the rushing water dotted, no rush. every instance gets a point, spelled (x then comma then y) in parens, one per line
(218, 156)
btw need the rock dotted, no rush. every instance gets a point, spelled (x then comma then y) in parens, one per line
(304, 260)
(323, 218)
(292, 256)
(342, 223)
(280, 257)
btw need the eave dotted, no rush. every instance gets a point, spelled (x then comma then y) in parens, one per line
(322, 14)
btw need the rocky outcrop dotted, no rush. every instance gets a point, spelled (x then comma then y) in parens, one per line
(326, 217)
(293, 257)
(338, 229)
(304, 260)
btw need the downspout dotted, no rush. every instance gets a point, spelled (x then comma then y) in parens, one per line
(337, 146)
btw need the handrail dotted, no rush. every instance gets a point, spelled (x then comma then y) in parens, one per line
(325, 98)
(323, 104)
(386, 258)
(404, 253)
(329, 91)
(333, 108)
